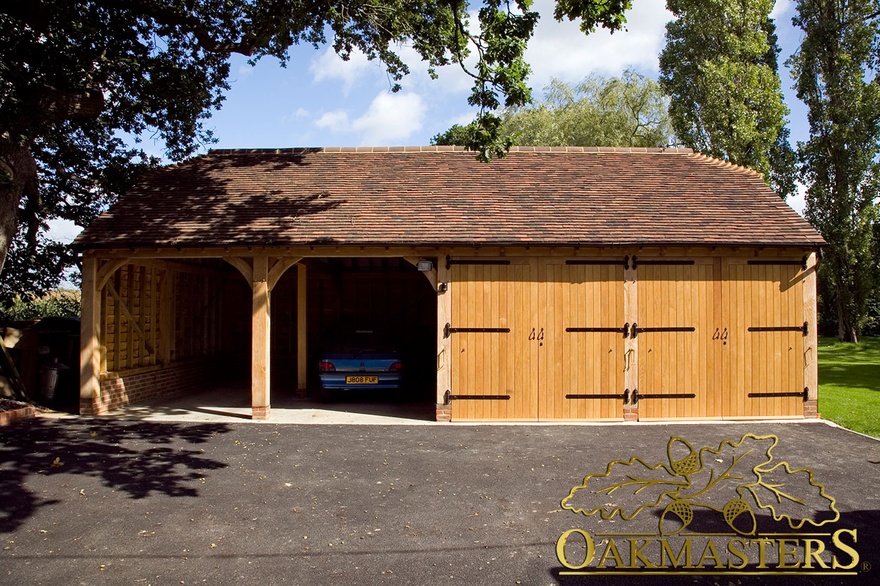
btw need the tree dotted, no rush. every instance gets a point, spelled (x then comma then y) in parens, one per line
(76, 75)
(836, 77)
(600, 111)
(719, 68)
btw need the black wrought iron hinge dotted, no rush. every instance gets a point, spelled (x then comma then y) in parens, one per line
(624, 330)
(636, 330)
(804, 328)
(448, 329)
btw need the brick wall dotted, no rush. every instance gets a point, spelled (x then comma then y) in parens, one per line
(121, 389)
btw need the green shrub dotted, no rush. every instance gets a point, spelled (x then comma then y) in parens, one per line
(58, 303)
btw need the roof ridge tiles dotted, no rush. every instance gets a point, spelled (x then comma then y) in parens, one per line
(727, 164)
(451, 149)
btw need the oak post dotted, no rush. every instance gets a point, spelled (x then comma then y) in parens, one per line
(631, 343)
(90, 331)
(444, 345)
(301, 327)
(811, 340)
(260, 336)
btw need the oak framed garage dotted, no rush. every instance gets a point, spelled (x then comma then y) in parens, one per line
(564, 283)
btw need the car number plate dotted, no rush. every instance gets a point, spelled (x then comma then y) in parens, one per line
(362, 380)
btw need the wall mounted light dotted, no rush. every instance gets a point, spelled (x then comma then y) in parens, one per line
(425, 266)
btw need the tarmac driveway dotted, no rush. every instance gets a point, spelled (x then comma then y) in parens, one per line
(109, 501)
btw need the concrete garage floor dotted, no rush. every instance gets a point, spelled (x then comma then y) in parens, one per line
(233, 404)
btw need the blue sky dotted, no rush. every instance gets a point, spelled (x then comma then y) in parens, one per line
(321, 100)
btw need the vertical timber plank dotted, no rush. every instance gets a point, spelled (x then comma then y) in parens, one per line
(154, 314)
(142, 315)
(129, 297)
(115, 361)
(166, 316)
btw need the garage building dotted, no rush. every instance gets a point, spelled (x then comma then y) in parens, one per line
(567, 283)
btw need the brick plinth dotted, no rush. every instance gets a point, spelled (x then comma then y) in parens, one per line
(811, 408)
(121, 389)
(444, 412)
(260, 413)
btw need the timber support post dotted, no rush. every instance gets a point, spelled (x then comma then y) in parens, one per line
(260, 338)
(631, 343)
(90, 347)
(301, 329)
(444, 345)
(811, 339)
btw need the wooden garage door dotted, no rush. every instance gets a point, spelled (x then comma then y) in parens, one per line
(537, 339)
(582, 359)
(764, 311)
(494, 361)
(677, 305)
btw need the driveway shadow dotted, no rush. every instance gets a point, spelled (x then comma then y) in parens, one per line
(136, 458)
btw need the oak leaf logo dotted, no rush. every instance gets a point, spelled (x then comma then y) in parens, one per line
(735, 479)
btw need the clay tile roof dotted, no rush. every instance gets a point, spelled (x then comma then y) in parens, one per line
(442, 196)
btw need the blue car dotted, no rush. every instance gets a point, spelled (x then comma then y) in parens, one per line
(360, 360)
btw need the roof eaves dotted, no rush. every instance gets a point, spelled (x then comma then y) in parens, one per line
(456, 243)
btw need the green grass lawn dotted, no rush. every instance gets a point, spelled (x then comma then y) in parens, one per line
(849, 384)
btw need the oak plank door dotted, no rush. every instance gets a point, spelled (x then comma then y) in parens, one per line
(678, 358)
(764, 310)
(581, 366)
(538, 338)
(494, 365)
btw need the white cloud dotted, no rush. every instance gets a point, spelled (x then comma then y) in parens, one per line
(335, 121)
(300, 114)
(390, 118)
(330, 66)
(450, 78)
(561, 50)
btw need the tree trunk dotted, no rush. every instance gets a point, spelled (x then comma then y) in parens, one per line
(846, 332)
(18, 177)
